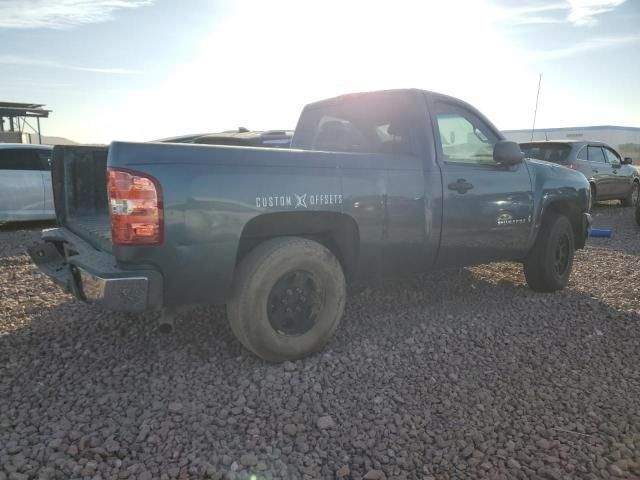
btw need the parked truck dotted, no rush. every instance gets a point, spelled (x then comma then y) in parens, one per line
(375, 183)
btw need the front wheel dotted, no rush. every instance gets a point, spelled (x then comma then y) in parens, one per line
(289, 295)
(638, 213)
(548, 265)
(632, 198)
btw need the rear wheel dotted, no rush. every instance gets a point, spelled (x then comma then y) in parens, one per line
(548, 266)
(638, 213)
(632, 198)
(289, 295)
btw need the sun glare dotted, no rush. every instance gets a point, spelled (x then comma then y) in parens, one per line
(264, 60)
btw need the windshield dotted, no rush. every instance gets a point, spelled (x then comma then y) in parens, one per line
(550, 152)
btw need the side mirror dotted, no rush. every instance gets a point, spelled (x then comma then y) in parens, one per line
(507, 153)
(627, 161)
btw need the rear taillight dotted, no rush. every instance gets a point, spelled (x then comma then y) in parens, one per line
(135, 205)
(572, 166)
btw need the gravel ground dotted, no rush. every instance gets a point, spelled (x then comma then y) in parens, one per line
(464, 374)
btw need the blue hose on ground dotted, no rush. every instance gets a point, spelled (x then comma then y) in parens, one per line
(600, 232)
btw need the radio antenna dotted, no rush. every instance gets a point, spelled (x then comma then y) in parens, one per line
(535, 112)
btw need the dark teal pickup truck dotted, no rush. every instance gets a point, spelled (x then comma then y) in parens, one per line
(375, 183)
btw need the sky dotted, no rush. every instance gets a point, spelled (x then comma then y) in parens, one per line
(147, 69)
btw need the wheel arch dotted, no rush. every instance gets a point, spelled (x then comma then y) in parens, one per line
(336, 231)
(573, 213)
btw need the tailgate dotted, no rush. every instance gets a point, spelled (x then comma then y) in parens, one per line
(79, 176)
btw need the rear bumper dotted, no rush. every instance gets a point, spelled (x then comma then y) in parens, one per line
(93, 276)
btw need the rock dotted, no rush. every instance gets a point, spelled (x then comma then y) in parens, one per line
(111, 446)
(616, 470)
(543, 444)
(375, 475)
(289, 366)
(175, 407)
(467, 452)
(325, 422)
(248, 460)
(143, 432)
(146, 475)
(173, 472)
(513, 463)
(290, 429)
(343, 471)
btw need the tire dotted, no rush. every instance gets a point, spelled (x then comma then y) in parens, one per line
(631, 199)
(638, 213)
(278, 278)
(592, 198)
(548, 265)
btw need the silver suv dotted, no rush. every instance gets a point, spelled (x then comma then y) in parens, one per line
(25, 183)
(611, 177)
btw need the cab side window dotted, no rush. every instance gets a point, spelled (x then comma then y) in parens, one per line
(19, 159)
(464, 138)
(596, 155)
(582, 154)
(612, 157)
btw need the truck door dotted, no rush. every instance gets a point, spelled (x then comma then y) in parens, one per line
(487, 207)
(621, 183)
(382, 172)
(602, 172)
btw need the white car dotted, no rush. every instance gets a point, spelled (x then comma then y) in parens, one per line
(25, 183)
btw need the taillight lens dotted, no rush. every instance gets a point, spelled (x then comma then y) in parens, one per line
(135, 205)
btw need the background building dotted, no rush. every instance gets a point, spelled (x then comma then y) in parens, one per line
(626, 140)
(20, 123)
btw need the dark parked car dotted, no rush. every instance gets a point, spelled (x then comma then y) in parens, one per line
(271, 138)
(610, 177)
(375, 183)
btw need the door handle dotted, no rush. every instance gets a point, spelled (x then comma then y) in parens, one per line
(460, 186)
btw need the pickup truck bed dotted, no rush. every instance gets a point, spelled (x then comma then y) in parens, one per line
(80, 192)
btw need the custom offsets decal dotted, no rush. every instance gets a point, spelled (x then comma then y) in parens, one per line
(299, 200)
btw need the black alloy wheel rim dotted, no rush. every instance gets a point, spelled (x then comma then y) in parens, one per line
(561, 257)
(294, 303)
